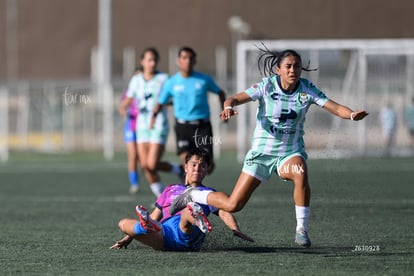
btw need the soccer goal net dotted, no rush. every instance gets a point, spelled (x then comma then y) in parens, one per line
(361, 74)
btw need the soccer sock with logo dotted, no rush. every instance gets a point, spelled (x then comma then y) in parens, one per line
(157, 188)
(302, 217)
(133, 178)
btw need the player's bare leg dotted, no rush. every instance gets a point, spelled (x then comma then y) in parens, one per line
(132, 156)
(132, 153)
(154, 239)
(150, 153)
(295, 169)
(147, 162)
(244, 188)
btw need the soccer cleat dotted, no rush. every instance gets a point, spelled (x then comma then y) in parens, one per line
(133, 189)
(302, 238)
(200, 219)
(147, 223)
(181, 201)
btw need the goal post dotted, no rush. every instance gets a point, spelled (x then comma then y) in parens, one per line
(4, 124)
(360, 73)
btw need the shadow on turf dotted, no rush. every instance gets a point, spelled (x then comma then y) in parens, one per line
(311, 250)
(324, 251)
(327, 252)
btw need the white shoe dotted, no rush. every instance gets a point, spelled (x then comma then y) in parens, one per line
(302, 238)
(134, 189)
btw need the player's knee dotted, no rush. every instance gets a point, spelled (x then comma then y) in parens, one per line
(302, 184)
(121, 224)
(234, 206)
(146, 167)
(151, 167)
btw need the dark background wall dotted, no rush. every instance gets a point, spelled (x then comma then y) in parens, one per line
(55, 37)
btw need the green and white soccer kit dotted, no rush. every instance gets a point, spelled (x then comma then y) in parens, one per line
(279, 124)
(147, 92)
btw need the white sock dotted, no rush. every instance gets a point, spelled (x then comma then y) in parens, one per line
(175, 169)
(302, 217)
(200, 196)
(157, 188)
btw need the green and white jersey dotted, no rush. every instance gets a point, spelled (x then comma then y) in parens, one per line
(281, 115)
(146, 93)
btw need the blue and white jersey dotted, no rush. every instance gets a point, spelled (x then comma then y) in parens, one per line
(281, 115)
(146, 93)
(189, 95)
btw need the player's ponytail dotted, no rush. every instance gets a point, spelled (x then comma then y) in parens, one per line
(269, 59)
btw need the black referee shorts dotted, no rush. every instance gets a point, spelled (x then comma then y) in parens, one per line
(194, 134)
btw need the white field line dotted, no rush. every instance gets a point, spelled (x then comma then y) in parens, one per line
(73, 199)
(61, 167)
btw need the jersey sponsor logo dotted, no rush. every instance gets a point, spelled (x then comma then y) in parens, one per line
(278, 97)
(178, 88)
(274, 130)
(183, 143)
(287, 114)
(198, 85)
(147, 96)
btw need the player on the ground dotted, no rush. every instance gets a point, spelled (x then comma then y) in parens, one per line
(186, 230)
(277, 145)
(145, 88)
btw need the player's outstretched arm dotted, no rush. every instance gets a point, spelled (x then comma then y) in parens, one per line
(238, 99)
(344, 112)
(123, 243)
(222, 97)
(231, 223)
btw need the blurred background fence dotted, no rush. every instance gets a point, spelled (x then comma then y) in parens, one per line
(360, 73)
(67, 115)
(61, 94)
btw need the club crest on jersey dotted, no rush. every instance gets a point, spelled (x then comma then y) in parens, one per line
(303, 97)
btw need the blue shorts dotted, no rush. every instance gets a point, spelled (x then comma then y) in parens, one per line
(129, 134)
(176, 240)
